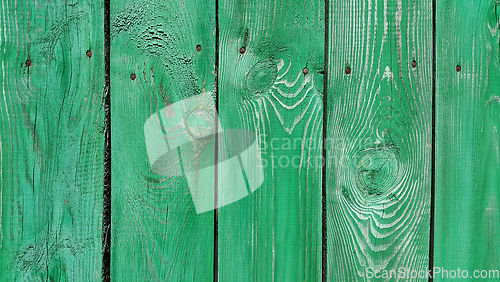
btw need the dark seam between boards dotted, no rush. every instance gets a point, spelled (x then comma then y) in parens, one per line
(433, 143)
(106, 205)
(324, 262)
(216, 172)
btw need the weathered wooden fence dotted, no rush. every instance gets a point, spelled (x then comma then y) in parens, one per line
(376, 124)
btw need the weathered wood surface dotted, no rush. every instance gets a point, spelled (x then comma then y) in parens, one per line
(157, 233)
(51, 141)
(378, 137)
(378, 143)
(468, 114)
(275, 233)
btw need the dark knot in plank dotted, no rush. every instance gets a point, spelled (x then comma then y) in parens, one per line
(377, 169)
(261, 76)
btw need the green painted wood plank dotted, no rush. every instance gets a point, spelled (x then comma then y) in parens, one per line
(467, 161)
(157, 233)
(51, 140)
(274, 234)
(378, 137)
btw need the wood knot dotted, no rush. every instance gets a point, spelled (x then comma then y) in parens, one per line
(89, 53)
(414, 64)
(28, 63)
(348, 70)
(133, 76)
(200, 124)
(261, 76)
(458, 68)
(242, 50)
(377, 169)
(305, 71)
(198, 47)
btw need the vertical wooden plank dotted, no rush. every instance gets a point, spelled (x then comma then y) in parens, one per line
(379, 138)
(468, 107)
(274, 234)
(51, 142)
(157, 233)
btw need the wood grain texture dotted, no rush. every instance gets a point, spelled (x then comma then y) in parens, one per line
(467, 160)
(378, 137)
(51, 142)
(157, 234)
(275, 233)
